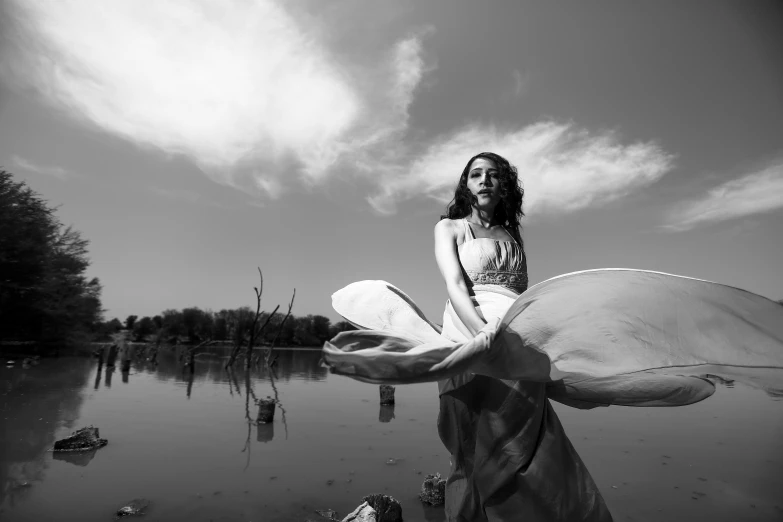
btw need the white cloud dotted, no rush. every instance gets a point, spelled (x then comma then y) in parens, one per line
(254, 98)
(562, 168)
(230, 84)
(755, 193)
(243, 89)
(57, 172)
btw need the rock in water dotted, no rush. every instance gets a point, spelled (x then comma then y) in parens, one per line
(433, 490)
(81, 440)
(363, 513)
(135, 507)
(387, 509)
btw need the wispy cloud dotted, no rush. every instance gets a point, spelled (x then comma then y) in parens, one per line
(57, 172)
(251, 95)
(186, 195)
(562, 168)
(755, 193)
(521, 82)
(242, 88)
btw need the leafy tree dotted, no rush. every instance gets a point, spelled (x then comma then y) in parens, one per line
(303, 331)
(143, 328)
(115, 325)
(197, 323)
(340, 326)
(130, 321)
(220, 326)
(320, 328)
(173, 325)
(44, 292)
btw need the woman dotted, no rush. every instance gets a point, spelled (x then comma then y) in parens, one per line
(510, 458)
(591, 338)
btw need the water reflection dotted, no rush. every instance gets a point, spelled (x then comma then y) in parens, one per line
(175, 434)
(36, 403)
(386, 413)
(265, 432)
(79, 458)
(209, 365)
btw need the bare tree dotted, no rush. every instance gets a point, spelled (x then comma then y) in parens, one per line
(269, 361)
(255, 331)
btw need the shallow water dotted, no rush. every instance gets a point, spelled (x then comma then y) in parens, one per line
(187, 446)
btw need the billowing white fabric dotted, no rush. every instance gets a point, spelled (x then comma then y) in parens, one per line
(608, 336)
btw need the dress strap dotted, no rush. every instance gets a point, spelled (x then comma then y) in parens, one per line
(468, 231)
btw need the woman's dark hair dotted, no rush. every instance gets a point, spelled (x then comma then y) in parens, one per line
(509, 210)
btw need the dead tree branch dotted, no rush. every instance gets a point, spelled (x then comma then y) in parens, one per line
(269, 360)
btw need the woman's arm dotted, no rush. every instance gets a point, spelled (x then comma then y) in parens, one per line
(448, 263)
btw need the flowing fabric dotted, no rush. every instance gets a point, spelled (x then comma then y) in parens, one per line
(510, 457)
(586, 339)
(597, 337)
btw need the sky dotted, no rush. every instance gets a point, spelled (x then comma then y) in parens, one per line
(193, 141)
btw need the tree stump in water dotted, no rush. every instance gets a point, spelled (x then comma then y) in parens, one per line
(433, 490)
(266, 410)
(387, 394)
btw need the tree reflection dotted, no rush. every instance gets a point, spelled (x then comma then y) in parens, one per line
(37, 401)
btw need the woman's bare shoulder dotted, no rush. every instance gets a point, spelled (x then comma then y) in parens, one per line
(448, 227)
(446, 224)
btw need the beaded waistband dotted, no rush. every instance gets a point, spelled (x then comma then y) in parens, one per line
(517, 281)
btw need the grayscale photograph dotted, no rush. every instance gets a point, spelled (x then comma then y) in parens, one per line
(386, 261)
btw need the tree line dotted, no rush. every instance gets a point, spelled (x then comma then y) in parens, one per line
(194, 325)
(45, 294)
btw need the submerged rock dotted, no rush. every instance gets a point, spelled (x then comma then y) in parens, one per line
(135, 507)
(363, 513)
(387, 509)
(81, 440)
(433, 490)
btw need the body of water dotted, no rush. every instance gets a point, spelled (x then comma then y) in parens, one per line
(189, 444)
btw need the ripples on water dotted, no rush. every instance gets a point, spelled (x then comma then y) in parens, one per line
(185, 443)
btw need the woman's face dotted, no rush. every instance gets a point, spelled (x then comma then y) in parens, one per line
(483, 182)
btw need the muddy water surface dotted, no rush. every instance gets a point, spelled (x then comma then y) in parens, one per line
(185, 443)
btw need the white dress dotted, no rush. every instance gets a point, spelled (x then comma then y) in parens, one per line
(586, 339)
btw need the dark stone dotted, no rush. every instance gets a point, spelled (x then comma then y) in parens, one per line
(135, 507)
(433, 490)
(387, 394)
(387, 509)
(82, 440)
